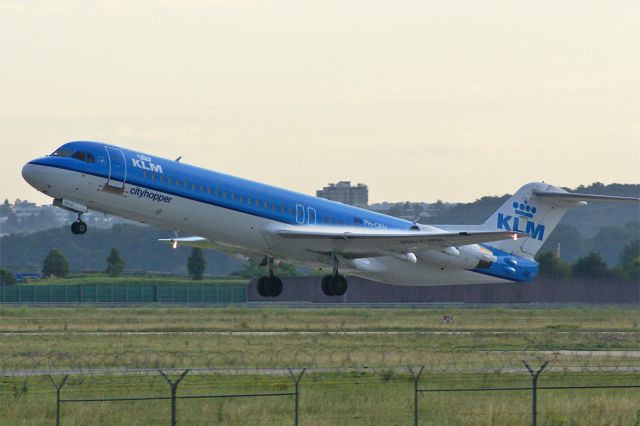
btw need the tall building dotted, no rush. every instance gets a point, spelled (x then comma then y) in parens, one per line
(343, 192)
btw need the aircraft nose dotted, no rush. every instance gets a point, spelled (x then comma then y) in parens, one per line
(30, 174)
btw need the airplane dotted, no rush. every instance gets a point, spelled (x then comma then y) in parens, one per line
(264, 222)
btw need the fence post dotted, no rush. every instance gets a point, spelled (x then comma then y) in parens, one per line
(534, 390)
(296, 381)
(174, 391)
(58, 387)
(416, 378)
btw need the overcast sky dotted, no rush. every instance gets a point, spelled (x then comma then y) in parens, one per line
(421, 100)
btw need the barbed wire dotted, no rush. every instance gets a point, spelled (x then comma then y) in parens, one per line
(323, 358)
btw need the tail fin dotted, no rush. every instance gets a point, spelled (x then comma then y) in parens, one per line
(536, 209)
(532, 214)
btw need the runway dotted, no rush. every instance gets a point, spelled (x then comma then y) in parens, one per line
(308, 333)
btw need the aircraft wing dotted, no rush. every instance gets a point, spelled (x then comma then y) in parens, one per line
(206, 243)
(355, 244)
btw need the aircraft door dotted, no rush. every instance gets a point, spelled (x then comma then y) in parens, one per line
(299, 213)
(117, 168)
(311, 215)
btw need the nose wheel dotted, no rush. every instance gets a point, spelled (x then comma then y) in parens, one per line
(79, 227)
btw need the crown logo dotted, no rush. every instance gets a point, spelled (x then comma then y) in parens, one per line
(524, 208)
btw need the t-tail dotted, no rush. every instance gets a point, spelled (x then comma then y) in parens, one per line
(535, 210)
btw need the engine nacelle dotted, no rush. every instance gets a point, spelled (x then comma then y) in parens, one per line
(463, 257)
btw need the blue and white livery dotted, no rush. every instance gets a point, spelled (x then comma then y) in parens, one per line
(272, 224)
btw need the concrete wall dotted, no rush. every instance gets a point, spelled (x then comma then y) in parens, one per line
(307, 289)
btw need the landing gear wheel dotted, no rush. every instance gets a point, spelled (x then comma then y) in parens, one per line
(270, 286)
(339, 285)
(262, 287)
(274, 286)
(326, 285)
(334, 285)
(79, 227)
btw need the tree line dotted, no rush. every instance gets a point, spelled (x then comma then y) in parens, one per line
(593, 266)
(55, 264)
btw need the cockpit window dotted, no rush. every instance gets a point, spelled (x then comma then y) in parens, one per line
(87, 157)
(62, 152)
(79, 155)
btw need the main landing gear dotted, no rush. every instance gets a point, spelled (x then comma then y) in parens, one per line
(79, 227)
(270, 285)
(334, 284)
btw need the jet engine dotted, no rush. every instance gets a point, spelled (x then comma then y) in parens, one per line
(464, 257)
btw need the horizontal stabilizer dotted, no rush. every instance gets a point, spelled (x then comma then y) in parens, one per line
(569, 196)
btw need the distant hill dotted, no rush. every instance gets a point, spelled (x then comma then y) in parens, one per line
(587, 220)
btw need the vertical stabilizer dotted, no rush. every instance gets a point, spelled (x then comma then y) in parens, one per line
(532, 214)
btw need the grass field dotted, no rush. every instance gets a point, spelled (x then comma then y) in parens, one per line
(480, 348)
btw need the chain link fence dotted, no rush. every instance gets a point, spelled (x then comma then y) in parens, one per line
(356, 385)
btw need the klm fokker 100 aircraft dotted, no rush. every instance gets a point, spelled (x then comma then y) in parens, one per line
(264, 222)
